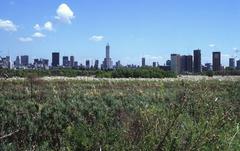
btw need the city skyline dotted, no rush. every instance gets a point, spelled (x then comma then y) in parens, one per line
(152, 29)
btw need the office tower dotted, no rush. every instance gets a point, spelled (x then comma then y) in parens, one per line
(232, 63)
(87, 64)
(216, 58)
(17, 62)
(65, 61)
(71, 61)
(55, 59)
(24, 60)
(96, 64)
(143, 62)
(168, 63)
(186, 63)
(238, 64)
(107, 63)
(197, 61)
(176, 63)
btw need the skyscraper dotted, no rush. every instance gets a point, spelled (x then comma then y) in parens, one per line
(232, 63)
(65, 61)
(87, 64)
(71, 61)
(197, 61)
(143, 62)
(107, 63)
(55, 59)
(24, 60)
(176, 63)
(186, 63)
(17, 62)
(216, 58)
(238, 64)
(96, 64)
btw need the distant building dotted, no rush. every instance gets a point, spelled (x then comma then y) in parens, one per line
(17, 62)
(5, 62)
(25, 60)
(118, 64)
(154, 64)
(65, 61)
(232, 63)
(216, 61)
(40, 63)
(71, 61)
(96, 64)
(55, 59)
(75, 64)
(168, 63)
(143, 62)
(107, 63)
(176, 63)
(186, 64)
(238, 64)
(197, 61)
(87, 64)
(208, 66)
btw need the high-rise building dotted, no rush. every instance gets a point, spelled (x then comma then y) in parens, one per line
(143, 62)
(25, 60)
(65, 61)
(96, 64)
(71, 61)
(238, 64)
(87, 64)
(107, 63)
(232, 63)
(197, 61)
(176, 63)
(17, 62)
(216, 58)
(186, 63)
(55, 59)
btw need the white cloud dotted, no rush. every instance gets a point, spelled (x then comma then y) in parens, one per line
(25, 39)
(212, 45)
(38, 35)
(7, 25)
(64, 13)
(37, 27)
(96, 38)
(48, 26)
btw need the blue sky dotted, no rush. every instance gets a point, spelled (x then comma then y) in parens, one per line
(134, 28)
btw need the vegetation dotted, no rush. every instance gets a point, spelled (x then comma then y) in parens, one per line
(68, 72)
(119, 115)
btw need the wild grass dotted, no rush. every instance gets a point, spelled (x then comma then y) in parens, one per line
(119, 115)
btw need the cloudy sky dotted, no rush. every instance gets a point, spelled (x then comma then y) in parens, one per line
(134, 28)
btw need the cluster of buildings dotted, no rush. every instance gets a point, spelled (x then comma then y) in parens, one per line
(192, 63)
(180, 64)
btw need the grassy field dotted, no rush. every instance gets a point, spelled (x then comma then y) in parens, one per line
(37, 114)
